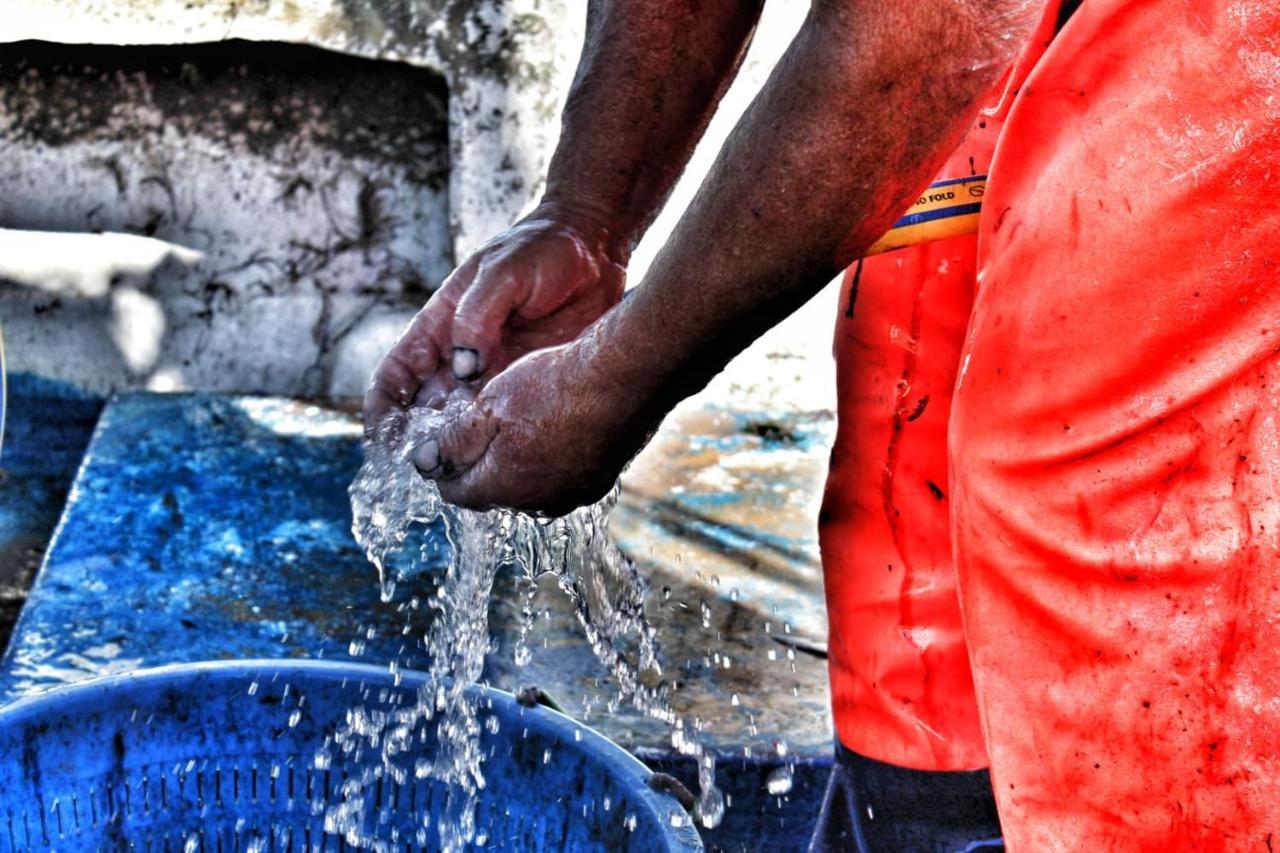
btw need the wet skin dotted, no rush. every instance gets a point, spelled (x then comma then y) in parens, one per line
(650, 78)
(860, 112)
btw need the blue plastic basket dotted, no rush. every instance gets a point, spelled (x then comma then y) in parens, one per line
(204, 757)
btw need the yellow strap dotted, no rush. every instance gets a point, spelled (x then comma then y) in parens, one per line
(948, 208)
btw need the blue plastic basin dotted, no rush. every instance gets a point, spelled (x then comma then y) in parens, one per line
(204, 757)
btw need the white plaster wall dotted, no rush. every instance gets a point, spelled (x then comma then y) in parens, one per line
(507, 64)
(289, 293)
(297, 221)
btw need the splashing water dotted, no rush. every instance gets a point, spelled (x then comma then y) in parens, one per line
(388, 497)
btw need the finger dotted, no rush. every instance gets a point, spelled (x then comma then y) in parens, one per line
(479, 322)
(458, 445)
(439, 392)
(396, 382)
(485, 485)
(416, 354)
(437, 389)
(474, 488)
(426, 458)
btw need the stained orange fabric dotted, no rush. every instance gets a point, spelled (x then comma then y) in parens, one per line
(900, 683)
(1115, 437)
(901, 687)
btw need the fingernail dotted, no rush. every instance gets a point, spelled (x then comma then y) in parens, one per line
(466, 363)
(427, 457)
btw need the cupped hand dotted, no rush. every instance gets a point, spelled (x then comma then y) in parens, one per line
(536, 285)
(549, 434)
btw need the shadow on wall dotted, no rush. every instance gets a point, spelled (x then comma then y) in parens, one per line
(227, 216)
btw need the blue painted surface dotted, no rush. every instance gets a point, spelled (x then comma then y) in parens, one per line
(188, 538)
(225, 756)
(47, 430)
(207, 527)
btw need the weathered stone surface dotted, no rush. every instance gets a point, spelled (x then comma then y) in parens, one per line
(307, 191)
(328, 161)
(507, 63)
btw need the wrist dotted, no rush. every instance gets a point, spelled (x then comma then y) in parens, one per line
(599, 228)
(630, 369)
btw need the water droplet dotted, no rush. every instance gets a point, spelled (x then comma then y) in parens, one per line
(779, 781)
(387, 498)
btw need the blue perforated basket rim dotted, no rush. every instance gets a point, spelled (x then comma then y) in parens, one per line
(619, 763)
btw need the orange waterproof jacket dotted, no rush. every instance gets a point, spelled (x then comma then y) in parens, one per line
(1115, 436)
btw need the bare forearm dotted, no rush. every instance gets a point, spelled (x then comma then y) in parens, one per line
(866, 104)
(648, 82)
(860, 113)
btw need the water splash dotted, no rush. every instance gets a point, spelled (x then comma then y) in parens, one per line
(607, 593)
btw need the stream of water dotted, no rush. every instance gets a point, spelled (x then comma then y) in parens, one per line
(389, 497)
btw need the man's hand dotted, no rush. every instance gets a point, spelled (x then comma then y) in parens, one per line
(648, 82)
(869, 100)
(536, 285)
(551, 433)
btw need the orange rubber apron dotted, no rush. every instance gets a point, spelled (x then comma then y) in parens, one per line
(900, 683)
(1115, 437)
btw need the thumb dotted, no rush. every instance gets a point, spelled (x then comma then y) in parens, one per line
(479, 321)
(458, 445)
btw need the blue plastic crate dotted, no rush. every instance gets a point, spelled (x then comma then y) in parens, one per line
(221, 756)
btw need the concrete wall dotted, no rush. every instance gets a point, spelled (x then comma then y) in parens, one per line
(255, 195)
(295, 177)
(290, 195)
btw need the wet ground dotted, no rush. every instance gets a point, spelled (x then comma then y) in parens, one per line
(720, 512)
